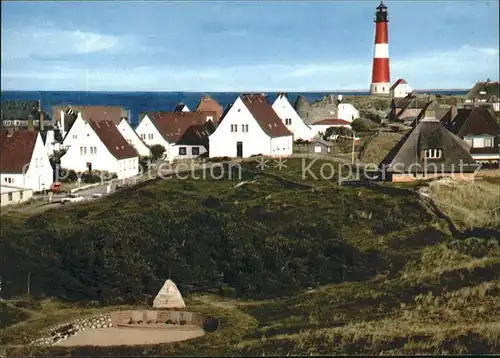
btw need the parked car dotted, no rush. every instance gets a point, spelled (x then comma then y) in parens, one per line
(56, 187)
(72, 198)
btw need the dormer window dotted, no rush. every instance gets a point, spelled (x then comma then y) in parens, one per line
(433, 153)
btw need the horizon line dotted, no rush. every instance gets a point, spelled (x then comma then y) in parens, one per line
(245, 91)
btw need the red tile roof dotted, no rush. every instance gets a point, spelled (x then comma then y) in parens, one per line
(16, 150)
(332, 121)
(113, 140)
(208, 104)
(265, 115)
(172, 125)
(400, 81)
(94, 113)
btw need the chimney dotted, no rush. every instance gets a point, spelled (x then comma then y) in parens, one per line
(454, 111)
(31, 126)
(41, 116)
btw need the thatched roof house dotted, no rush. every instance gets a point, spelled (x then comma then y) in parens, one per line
(169, 297)
(429, 150)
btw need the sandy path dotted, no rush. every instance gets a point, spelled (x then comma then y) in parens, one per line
(116, 336)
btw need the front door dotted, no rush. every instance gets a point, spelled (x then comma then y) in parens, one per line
(239, 149)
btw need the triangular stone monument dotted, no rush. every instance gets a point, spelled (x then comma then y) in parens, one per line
(169, 297)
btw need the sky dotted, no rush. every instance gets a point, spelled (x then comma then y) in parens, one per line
(243, 45)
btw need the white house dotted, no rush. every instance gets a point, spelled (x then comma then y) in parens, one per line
(98, 145)
(24, 161)
(291, 119)
(321, 126)
(167, 128)
(347, 112)
(194, 141)
(251, 127)
(131, 136)
(400, 89)
(10, 195)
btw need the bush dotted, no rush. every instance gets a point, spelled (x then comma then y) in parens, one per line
(66, 175)
(358, 125)
(88, 178)
(157, 151)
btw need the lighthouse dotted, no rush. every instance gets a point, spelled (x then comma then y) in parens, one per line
(381, 77)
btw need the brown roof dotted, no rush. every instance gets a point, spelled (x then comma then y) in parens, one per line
(172, 125)
(16, 149)
(208, 104)
(94, 113)
(265, 115)
(475, 120)
(332, 121)
(113, 140)
(485, 90)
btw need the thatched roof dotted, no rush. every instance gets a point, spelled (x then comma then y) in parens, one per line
(169, 297)
(408, 155)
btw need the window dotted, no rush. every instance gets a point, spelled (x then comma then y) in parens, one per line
(234, 128)
(433, 153)
(195, 151)
(36, 162)
(288, 121)
(488, 142)
(182, 150)
(10, 196)
(244, 127)
(150, 136)
(93, 150)
(317, 149)
(83, 150)
(143, 136)
(21, 195)
(75, 136)
(478, 142)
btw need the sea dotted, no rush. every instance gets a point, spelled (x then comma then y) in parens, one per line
(140, 102)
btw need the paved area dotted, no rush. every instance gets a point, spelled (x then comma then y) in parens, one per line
(116, 336)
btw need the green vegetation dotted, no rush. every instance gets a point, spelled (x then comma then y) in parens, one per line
(378, 146)
(157, 151)
(289, 266)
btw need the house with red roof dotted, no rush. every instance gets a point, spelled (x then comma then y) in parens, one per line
(208, 104)
(400, 89)
(167, 128)
(251, 127)
(98, 145)
(321, 126)
(24, 162)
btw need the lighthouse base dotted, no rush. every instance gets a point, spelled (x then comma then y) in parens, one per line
(381, 88)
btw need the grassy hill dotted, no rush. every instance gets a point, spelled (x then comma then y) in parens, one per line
(289, 269)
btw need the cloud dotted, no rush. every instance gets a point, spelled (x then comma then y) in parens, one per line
(457, 68)
(52, 42)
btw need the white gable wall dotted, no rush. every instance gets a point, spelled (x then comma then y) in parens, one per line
(285, 111)
(131, 136)
(223, 142)
(347, 112)
(38, 176)
(150, 135)
(402, 90)
(175, 152)
(80, 143)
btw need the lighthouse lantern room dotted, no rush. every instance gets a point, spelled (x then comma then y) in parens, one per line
(381, 78)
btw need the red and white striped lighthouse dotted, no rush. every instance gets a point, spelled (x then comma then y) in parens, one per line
(381, 77)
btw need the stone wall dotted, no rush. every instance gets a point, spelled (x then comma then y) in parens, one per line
(318, 110)
(64, 330)
(127, 318)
